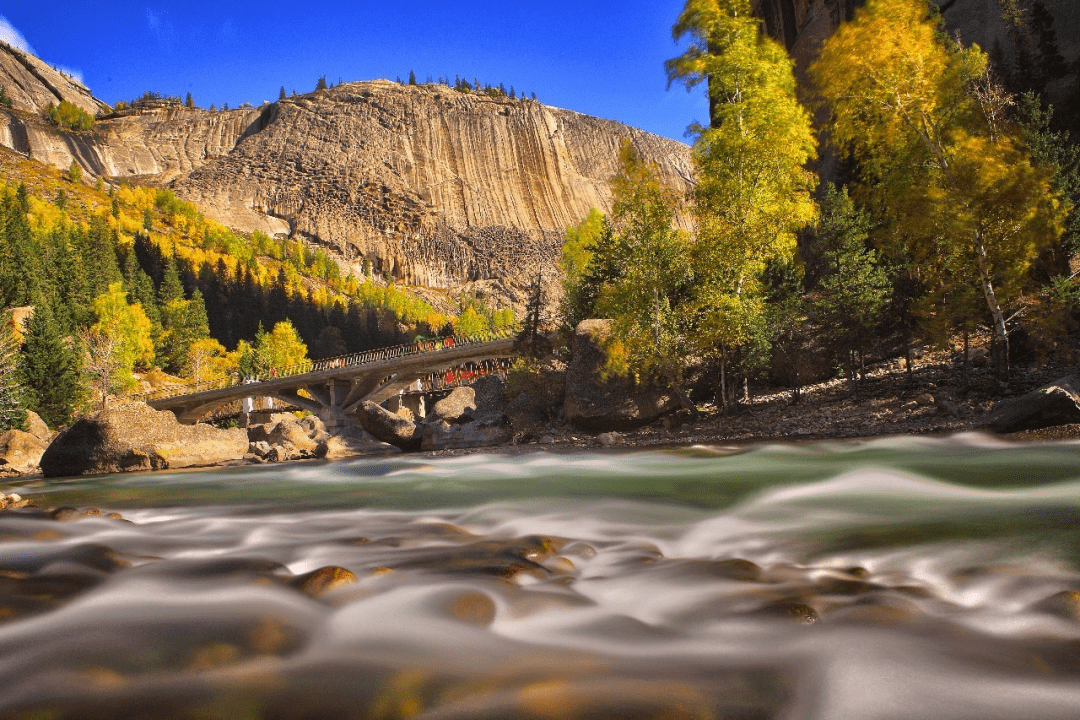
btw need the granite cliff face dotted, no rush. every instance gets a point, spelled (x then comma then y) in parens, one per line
(435, 188)
(439, 190)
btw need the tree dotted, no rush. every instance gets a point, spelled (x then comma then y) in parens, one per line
(281, 93)
(412, 78)
(959, 195)
(12, 414)
(279, 349)
(189, 102)
(645, 298)
(74, 172)
(184, 323)
(207, 361)
(321, 84)
(753, 191)
(853, 290)
(579, 297)
(121, 335)
(50, 370)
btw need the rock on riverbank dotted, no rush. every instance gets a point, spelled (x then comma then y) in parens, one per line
(135, 437)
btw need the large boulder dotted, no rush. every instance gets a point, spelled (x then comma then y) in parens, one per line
(615, 403)
(354, 441)
(459, 404)
(1057, 403)
(20, 452)
(37, 427)
(441, 435)
(135, 437)
(387, 426)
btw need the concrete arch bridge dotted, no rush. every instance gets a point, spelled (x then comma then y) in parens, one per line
(333, 388)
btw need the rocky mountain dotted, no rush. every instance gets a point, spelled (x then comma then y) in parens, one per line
(439, 190)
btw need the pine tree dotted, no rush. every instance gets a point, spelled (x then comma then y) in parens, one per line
(50, 370)
(412, 78)
(12, 414)
(189, 102)
(281, 93)
(853, 291)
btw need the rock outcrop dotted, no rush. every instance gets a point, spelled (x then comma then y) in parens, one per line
(617, 403)
(1057, 403)
(33, 85)
(135, 437)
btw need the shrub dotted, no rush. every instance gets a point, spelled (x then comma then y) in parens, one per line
(68, 116)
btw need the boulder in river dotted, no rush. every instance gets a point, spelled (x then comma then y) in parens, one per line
(1057, 403)
(604, 404)
(20, 452)
(387, 426)
(460, 404)
(135, 437)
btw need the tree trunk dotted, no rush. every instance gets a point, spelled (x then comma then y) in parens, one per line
(1001, 332)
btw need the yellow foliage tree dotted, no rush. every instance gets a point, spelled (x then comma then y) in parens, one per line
(964, 203)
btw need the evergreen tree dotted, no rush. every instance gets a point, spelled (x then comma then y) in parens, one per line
(412, 78)
(12, 414)
(50, 370)
(281, 93)
(189, 102)
(321, 84)
(853, 291)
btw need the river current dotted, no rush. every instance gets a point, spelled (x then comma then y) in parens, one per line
(898, 578)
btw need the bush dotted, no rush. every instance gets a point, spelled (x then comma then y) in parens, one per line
(69, 116)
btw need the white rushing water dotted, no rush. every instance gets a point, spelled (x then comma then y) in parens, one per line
(886, 579)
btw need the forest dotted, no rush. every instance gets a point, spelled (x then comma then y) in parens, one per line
(945, 211)
(124, 288)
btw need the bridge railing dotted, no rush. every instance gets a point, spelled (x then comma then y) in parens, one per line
(421, 346)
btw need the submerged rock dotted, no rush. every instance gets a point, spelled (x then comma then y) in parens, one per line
(1057, 403)
(135, 437)
(603, 404)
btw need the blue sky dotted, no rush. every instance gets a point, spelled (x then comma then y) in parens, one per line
(601, 58)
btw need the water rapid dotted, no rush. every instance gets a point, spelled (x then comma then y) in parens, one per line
(900, 578)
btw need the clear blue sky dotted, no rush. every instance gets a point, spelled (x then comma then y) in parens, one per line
(601, 58)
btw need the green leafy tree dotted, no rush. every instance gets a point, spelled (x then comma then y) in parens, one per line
(50, 370)
(645, 299)
(579, 297)
(75, 172)
(960, 197)
(753, 192)
(69, 116)
(119, 341)
(278, 349)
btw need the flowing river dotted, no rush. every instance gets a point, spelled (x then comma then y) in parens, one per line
(899, 578)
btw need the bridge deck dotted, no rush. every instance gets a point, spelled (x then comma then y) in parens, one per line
(337, 385)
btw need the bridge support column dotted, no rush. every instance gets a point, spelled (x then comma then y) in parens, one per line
(332, 412)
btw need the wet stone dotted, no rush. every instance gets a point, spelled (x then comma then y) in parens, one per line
(322, 581)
